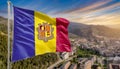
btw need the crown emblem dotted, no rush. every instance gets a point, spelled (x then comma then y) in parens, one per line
(45, 32)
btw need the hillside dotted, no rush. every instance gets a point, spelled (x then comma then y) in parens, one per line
(116, 26)
(3, 20)
(3, 25)
(89, 31)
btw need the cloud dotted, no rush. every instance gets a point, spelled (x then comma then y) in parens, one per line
(91, 7)
(86, 8)
(83, 10)
(107, 19)
(97, 13)
(105, 12)
(111, 7)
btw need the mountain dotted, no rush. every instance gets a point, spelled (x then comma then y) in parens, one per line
(3, 25)
(116, 26)
(79, 29)
(90, 31)
(3, 20)
(73, 36)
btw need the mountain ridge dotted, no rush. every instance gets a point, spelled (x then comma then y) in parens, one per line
(88, 31)
(79, 29)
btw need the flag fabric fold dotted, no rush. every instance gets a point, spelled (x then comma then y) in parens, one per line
(36, 33)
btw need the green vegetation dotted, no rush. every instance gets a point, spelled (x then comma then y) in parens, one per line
(37, 62)
(74, 60)
(3, 28)
(86, 52)
(105, 65)
(3, 52)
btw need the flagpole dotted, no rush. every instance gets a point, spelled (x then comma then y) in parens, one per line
(12, 13)
(8, 59)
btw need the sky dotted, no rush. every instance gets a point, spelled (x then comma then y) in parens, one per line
(96, 12)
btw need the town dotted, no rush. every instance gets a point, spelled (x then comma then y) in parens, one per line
(98, 53)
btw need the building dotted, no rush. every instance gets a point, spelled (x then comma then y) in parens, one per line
(73, 51)
(84, 63)
(95, 66)
(93, 59)
(114, 66)
(114, 62)
(87, 64)
(73, 66)
(65, 65)
(64, 55)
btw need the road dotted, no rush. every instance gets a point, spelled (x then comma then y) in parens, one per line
(59, 61)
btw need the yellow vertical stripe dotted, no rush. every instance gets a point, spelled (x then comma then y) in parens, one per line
(41, 46)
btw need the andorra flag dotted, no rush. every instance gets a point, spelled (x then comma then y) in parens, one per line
(36, 33)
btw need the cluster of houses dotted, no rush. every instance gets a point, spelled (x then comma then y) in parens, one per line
(90, 62)
(113, 62)
(82, 63)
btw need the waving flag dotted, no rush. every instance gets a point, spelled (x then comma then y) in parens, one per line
(36, 33)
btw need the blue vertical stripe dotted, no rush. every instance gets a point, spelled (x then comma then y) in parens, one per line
(23, 44)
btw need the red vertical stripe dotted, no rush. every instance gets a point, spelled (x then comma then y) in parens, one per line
(63, 43)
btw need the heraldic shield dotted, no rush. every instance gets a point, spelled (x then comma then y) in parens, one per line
(45, 32)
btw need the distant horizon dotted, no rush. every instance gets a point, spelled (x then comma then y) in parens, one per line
(84, 23)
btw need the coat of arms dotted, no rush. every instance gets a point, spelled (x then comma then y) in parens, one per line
(45, 32)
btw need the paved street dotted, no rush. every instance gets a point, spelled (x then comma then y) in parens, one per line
(59, 61)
